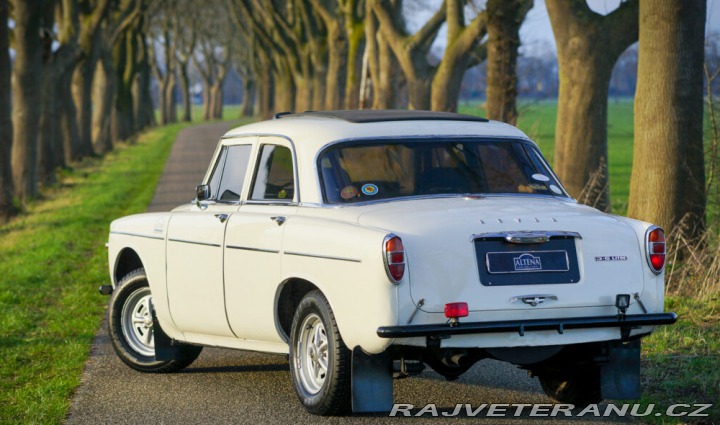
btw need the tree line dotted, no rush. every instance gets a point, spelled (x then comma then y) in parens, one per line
(83, 71)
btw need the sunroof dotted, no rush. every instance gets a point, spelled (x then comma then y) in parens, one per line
(380, 115)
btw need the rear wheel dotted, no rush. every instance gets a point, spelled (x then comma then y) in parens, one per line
(131, 328)
(319, 359)
(578, 386)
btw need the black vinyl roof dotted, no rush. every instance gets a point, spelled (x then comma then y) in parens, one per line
(381, 115)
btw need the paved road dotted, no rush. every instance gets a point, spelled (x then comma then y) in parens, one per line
(227, 386)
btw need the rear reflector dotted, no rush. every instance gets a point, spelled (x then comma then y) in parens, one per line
(455, 310)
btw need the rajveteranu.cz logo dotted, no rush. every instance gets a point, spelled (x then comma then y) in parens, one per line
(527, 262)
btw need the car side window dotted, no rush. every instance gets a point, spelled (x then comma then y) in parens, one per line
(237, 158)
(274, 177)
(214, 182)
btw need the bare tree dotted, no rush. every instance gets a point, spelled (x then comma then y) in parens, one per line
(121, 17)
(6, 129)
(213, 60)
(185, 37)
(462, 41)
(588, 46)
(382, 64)
(59, 137)
(26, 89)
(337, 52)
(668, 178)
(504, 20)
(143, 110)
(353, 15)
(92, 15)
(163, 30)
(411, 50)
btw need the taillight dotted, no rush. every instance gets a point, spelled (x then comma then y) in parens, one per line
(656, 249)
(394, 254)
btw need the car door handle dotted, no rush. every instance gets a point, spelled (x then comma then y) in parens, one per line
(279, 220)
(221, 217)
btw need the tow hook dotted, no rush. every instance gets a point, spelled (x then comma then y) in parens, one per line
(106, 289)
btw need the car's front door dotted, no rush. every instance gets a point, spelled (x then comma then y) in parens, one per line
(195, 246)
(253, 242)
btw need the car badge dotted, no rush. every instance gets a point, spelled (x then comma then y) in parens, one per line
(527, 262)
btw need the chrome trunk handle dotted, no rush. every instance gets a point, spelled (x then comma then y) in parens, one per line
(521, 236)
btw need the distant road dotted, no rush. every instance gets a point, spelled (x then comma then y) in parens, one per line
(234, 387)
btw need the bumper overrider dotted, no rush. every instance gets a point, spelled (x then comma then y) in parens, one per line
(624, 322)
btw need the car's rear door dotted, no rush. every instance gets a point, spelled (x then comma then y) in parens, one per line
(253, 241)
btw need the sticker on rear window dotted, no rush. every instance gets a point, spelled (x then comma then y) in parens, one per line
(369, 189)
(349, 192)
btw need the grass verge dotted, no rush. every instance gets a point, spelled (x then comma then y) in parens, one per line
(53, 259)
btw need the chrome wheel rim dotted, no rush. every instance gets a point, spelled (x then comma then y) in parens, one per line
(137, 324)
(312, 354)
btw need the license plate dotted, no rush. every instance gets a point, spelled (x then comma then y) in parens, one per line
(527, 262)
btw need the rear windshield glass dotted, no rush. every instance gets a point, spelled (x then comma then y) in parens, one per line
(367, 171)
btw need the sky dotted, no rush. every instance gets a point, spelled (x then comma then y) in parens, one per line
(536, 33)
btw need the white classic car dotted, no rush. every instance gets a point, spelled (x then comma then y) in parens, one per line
(368, 244)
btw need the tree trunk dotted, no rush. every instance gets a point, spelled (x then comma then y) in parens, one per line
(265, 92)
(356, 41)
(504, 18)
(143, 111)
(51, 151)
(283, 88)
(336, 69)
(217, 100)
(67, 113)
(384, 90)
(6, 127)
(248, 99)
(103, 95)
(82, 94)
(667, 186)
(588, 46)
(207, 100)
(185, 91)
(122, 125)
(26, 90)
(89, 41)
(303, 93)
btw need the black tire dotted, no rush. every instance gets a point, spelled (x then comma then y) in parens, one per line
(580, 387)
(134, 343)
(328, 393)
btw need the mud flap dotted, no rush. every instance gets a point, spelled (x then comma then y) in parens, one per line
(165, 347)
(372, 382)
(620, 377)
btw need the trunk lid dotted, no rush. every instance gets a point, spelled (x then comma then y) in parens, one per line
(457, 251)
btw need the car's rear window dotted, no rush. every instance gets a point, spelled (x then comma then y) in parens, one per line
(371, 170)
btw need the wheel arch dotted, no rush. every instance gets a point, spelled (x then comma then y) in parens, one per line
(127, 261)
(289, 294)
